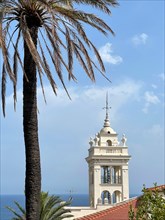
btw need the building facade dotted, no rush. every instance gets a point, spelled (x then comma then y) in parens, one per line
(108, 166)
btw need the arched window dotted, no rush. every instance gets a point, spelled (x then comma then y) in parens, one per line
(109, 143)
(106, 196)
(116, 196)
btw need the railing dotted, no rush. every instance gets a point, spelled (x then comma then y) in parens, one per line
(111, 180)
(112, 151)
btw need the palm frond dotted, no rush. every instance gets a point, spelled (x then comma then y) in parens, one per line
(15, 66)
(52, 208)
(6, 56)
(3, 88)
(48, 72)
(20, 208)
(20, 216)
(99, 4)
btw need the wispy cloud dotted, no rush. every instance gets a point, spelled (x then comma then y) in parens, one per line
(82, 98)
(140, 39)
(106, 54)
(150, 99)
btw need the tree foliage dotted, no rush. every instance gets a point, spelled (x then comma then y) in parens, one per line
(52, 208)
(151, 206)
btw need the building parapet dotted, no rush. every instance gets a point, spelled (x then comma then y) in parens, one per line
(119, 150)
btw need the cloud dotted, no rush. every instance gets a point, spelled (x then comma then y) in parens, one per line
(85, 98)
(150, 99)
(88, 96)
(140, 39)
(107, 56)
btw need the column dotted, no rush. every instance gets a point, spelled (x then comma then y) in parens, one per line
(125, 182)
(97, 181)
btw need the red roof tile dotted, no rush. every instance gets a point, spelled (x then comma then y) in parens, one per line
(159, 188)
(118, 212)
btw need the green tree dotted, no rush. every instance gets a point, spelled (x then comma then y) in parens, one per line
(52, 208)
(55, 27)
(151, 206)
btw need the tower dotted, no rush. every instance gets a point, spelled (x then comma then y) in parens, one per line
(108, 166)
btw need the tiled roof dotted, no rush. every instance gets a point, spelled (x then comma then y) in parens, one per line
(158, 188)
(118, 212)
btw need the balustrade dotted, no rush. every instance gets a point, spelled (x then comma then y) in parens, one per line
(108, 151)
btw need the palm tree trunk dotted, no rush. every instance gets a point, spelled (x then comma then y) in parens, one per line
(30, 123)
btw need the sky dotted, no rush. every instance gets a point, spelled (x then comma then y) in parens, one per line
(134, 61)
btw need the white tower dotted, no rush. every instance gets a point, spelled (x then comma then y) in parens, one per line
(108, 166)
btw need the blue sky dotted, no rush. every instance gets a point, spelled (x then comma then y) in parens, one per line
(134, 61)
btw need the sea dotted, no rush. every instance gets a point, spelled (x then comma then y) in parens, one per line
(8, 200)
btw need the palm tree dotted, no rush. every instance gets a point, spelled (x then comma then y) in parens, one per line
(52, 208)
(54, 26)
(2, 8)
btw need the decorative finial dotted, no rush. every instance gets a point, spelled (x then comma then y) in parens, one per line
(124, 140)
(91, 142)
(107, 123)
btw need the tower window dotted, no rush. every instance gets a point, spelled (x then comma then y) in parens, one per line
(105, 175)
(109, 143)
(116, 196)
(106, 196)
